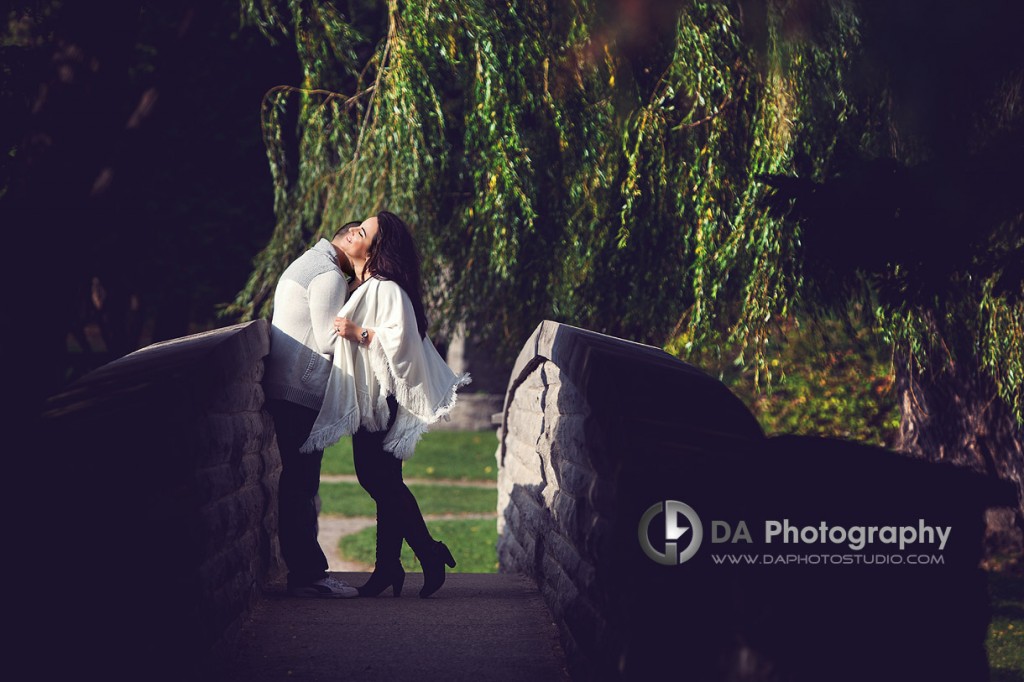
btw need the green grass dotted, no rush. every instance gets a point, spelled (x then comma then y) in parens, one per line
(458, 455)
(1006, 630)
(349, 499)
(472, 543)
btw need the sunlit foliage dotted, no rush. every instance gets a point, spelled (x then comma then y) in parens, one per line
(594, 163)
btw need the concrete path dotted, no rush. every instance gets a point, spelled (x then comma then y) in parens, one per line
(332, 529)
(481, 627)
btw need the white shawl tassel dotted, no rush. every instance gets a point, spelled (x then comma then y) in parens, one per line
(398, 362)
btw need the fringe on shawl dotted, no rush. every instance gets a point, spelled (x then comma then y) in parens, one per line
(414, 417)
(405, 433)
(408, 428)
(328, 435)
(385, 375)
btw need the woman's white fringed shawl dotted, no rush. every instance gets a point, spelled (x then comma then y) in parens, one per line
(397, 362)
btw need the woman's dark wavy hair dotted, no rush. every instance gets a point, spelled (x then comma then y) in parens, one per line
(393, 256)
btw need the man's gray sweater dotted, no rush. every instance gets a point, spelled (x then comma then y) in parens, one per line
(308, 297)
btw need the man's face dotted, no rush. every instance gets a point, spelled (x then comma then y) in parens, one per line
(356, 242)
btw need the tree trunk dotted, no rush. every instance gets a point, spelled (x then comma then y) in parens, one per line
(952, 414)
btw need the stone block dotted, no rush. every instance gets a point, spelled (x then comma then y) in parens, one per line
(241, 356)
(587, 583)
(250, 468)
(237, 396)
(513, 518)
(573, 478)
(523, 469)
(227, 518)
(240, 586)
(523, 450)
(252, 501)
(528, 559)
(584, 621)
(510, 554)
(271, 458)
(266, 427)
(505, 485)
(552, 600)
(563, 552)
(226, 437)
(213, 483)
(569, 514)
(220, 568)
(214, 571)
(526, 426)
(557, 588)
(569, 432)
(568, 399)
(533, 515)
(529, 395)
(514, 445)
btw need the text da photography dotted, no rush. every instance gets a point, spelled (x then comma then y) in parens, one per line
(672, 532)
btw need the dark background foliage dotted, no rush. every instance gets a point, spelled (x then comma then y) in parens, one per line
(131, 154)
(716, 178)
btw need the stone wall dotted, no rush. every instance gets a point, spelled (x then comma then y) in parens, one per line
(550, 521)
(596, 431)
(162, 501)
(559, 500)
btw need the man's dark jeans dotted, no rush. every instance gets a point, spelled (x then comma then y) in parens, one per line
(300, 481)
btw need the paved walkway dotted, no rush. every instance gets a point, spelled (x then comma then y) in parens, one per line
(480, 627)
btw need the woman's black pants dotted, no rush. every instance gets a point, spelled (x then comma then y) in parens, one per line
(398, 514)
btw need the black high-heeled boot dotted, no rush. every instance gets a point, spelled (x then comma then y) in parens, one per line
(388, 565)
(433, 559)
(385, 575)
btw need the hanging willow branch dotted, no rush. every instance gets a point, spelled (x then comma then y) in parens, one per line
(547, 174)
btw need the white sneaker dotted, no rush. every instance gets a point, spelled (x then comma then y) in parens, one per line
(328, 588)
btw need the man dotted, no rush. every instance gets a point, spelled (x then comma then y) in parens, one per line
(309, 294)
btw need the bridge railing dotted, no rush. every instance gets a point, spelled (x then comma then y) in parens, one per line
(598, 434)
(160, 510)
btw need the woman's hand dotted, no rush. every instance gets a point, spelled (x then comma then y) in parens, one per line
(347, 329)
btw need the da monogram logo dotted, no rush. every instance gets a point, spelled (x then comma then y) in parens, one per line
(673, 531)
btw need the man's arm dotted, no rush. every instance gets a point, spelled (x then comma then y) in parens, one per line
(327, 294)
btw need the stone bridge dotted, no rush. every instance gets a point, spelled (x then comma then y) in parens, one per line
(157, 544)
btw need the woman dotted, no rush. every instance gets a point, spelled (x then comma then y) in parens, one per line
(387, 385)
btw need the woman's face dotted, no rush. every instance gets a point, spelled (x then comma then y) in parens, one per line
(356, 243)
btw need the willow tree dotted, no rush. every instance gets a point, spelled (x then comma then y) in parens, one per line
(652, 170)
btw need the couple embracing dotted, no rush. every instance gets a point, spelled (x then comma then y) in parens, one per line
(349, 355)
